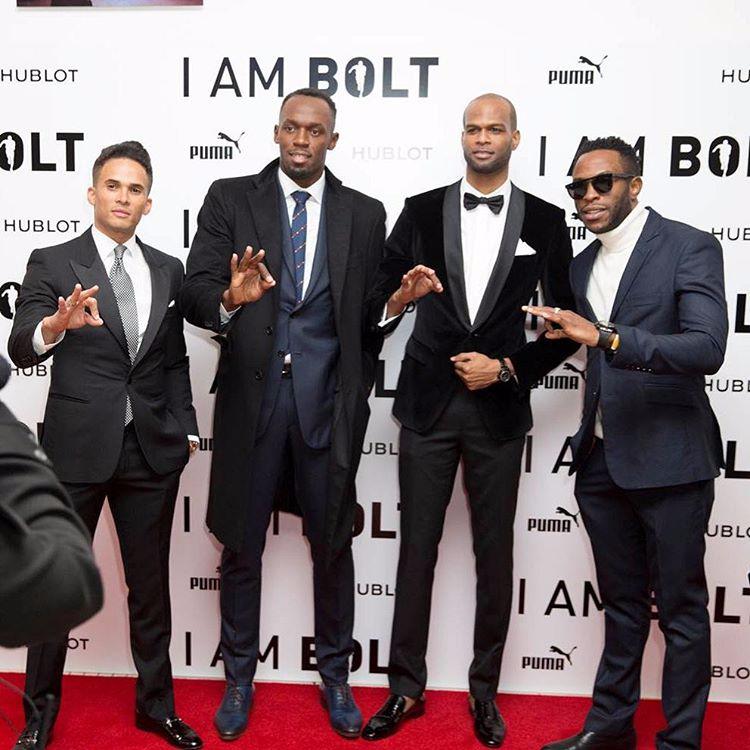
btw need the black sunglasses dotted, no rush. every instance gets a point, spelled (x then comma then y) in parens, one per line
(602, 183)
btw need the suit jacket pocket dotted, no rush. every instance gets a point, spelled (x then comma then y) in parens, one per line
(418, 351)
(66, 397)
(657, 393)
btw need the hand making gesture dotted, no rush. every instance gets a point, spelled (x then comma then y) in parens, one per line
(250, 279)
(415, 284)
(78, 310)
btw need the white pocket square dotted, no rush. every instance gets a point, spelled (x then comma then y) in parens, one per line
(523, 249)
(171, 304)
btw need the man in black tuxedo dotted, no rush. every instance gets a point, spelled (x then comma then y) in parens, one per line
(119, 421)
(297, 363)
(471, 253)
(649, 446)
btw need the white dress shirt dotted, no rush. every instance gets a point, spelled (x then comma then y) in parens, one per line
(481, 234)
(609, 266)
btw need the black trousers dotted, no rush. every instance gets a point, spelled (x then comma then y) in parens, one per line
(333, 584)
(646, 540)
(142, 505)
(427, 471)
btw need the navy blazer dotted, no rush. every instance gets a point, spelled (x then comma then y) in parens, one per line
(671, 314)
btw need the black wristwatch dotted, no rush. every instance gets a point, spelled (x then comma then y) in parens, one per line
(607, 333)
(504, 375)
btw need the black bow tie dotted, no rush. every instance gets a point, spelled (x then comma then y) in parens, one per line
(495, 204)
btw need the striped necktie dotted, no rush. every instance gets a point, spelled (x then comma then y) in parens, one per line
(299, 239)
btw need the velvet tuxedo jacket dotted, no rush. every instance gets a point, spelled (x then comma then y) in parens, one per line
(428, 232)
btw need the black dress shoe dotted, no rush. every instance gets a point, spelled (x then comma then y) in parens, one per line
(489, 726)
(594, 741)
(174, 730)
(37, 733)
(32, 738)
(387, 719)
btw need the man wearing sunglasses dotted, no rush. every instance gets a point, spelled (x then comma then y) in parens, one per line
(648, 448)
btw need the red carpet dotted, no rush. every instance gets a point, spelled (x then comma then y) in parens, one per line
(97, 713)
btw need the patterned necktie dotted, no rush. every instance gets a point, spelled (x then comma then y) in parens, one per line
(122, 286)
(299, 238)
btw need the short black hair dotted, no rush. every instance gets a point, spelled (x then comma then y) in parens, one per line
(125, 150)
(629, 157)
(316, 94)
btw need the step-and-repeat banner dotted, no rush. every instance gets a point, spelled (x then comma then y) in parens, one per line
(201, 88)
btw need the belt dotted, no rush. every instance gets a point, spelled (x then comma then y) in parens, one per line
(286, 370)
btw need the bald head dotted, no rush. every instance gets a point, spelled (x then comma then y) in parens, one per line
(492, 99)
(489, 138)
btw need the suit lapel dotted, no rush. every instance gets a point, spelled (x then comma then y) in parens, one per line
(454, 256)
(265, 207)
(159, 299)
(641, 251)
(582, 271)
(337, 209)
(321, 242)
(511, 234)
(286, 235)
(89, 269)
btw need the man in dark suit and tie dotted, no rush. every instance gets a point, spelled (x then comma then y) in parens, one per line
(649, 447)
(471, 253)
(119, 421)
(297, 363)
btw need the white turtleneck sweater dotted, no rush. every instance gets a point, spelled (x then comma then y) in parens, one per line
(609, 266)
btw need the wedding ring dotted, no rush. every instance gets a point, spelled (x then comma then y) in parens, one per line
(556, 310)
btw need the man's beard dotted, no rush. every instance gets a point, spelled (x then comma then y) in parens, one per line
(498, 164)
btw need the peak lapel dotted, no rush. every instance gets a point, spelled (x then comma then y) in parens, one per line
(89, 269)
(159, 300)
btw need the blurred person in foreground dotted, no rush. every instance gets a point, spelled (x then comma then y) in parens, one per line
(119, 422)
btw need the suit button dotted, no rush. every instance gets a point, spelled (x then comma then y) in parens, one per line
(475, 335)
(268, 330)
(259, 374)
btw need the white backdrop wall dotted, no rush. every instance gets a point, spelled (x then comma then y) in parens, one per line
(673, 76)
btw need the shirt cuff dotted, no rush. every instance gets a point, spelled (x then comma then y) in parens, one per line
(37, 340)
(225, 316)
(384, 321)
(193, 439)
